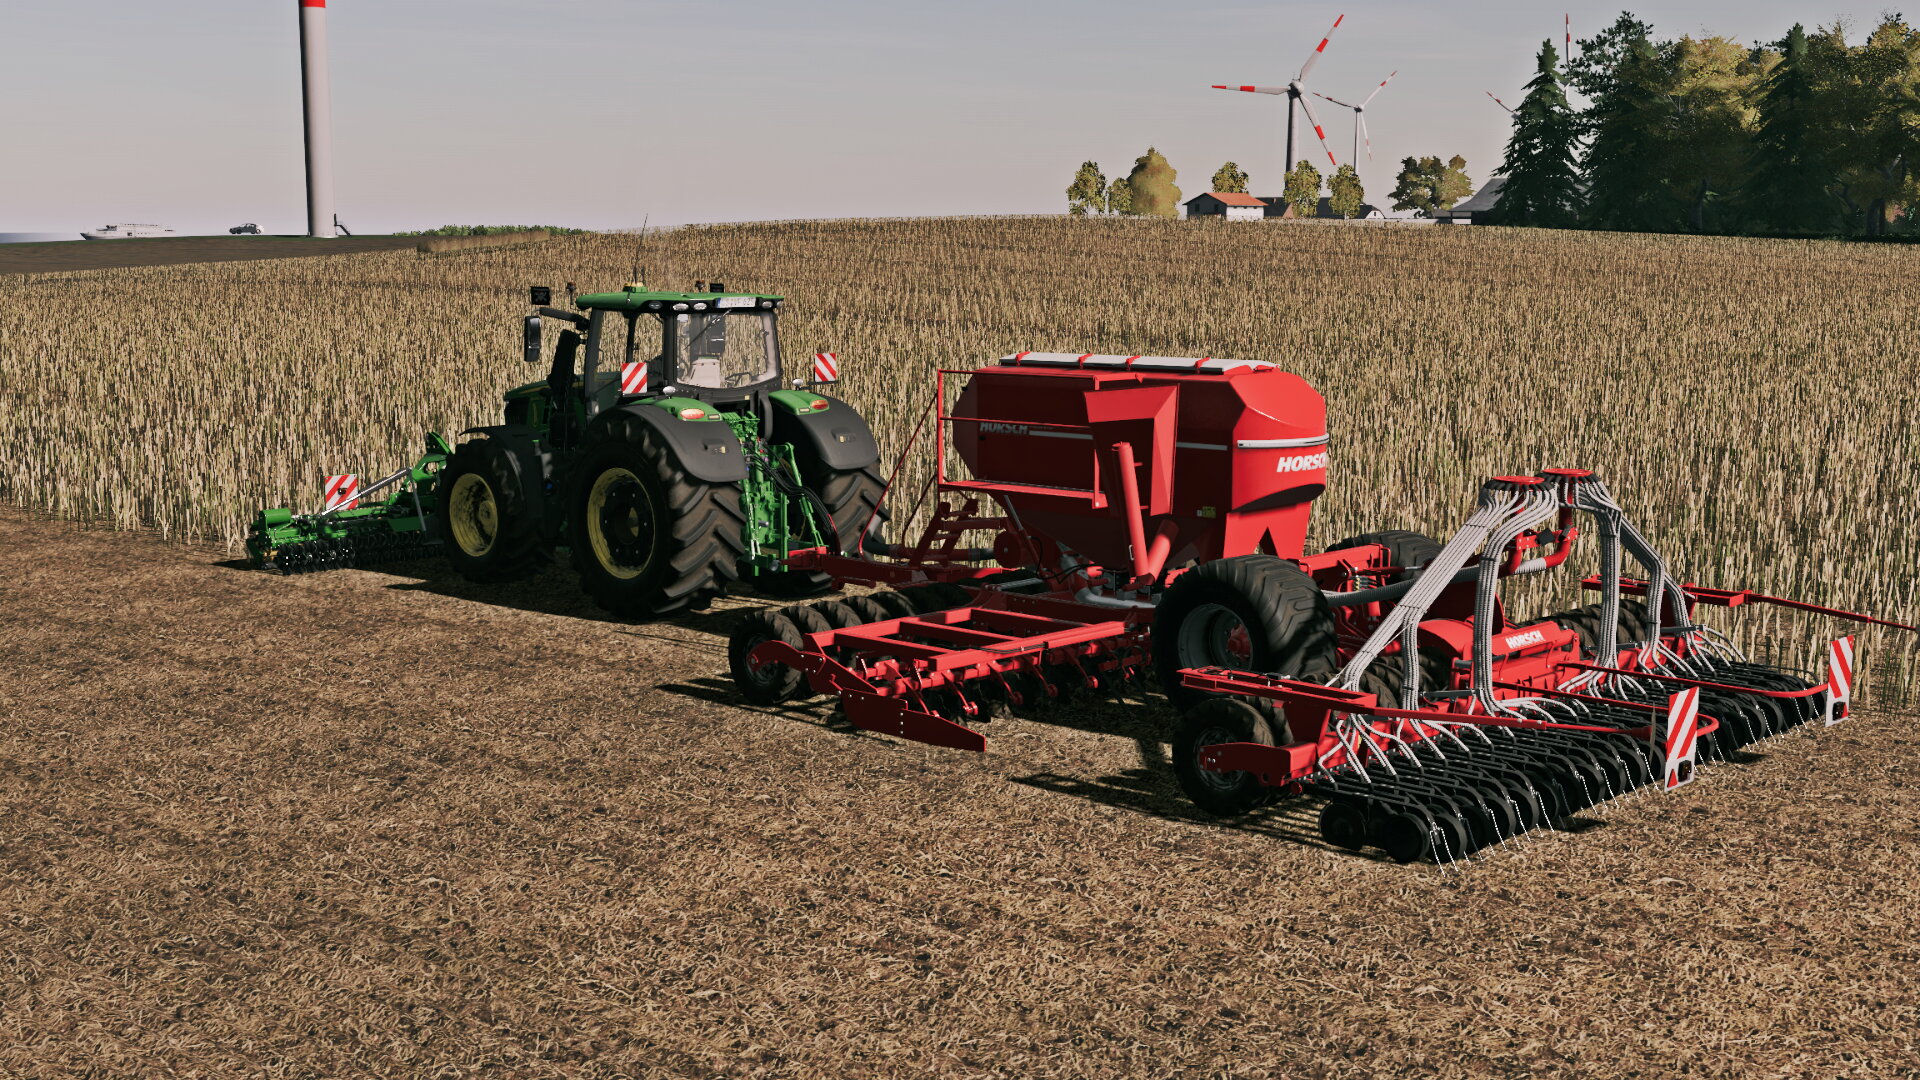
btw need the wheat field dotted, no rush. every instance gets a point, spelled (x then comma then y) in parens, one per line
(1752, 403)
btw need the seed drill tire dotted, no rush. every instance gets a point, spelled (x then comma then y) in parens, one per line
(481, 505)
(770, 684)
(1289, 627)
(1403, 547)
(1213, 721)
(650, 539)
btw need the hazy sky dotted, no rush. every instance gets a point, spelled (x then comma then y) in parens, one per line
(187, 112)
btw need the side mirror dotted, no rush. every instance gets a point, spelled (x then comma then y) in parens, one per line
(533, 339)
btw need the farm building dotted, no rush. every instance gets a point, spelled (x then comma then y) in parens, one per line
(1232, 205)
(1474, 208)
(1277, 206)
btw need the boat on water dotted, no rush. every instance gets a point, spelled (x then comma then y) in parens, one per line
(126, 232)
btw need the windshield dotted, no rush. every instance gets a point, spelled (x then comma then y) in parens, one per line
(721, 349)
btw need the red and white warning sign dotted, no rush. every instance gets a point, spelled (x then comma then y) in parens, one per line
(633, 378)
(1683, 737)
(343, 492)
(826, 367)
(1839, 679)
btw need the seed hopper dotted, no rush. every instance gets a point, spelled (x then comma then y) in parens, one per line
(1149, 518)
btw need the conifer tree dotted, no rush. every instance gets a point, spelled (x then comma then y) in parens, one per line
(1629, 121)
(1789, 189)
(1542, 188)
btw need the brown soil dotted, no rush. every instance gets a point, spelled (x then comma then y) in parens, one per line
(172, 250)
(360, 824)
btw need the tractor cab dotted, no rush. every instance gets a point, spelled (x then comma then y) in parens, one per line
(713, 346)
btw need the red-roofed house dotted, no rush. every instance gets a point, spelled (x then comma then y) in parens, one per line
(1231, 205)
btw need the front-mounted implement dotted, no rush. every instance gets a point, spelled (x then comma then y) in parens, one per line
(352, 528)
(1149, 516)
(662, 451)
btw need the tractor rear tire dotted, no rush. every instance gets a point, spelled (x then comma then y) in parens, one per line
(649, 538)
(1214, 721)
(850, 497)
(1404, 548)
(482, 514)
(1288, 627)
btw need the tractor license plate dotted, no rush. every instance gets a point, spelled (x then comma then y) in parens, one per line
(734, 301)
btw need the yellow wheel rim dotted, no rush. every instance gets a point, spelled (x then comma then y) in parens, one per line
(474, 515)
(620, 523)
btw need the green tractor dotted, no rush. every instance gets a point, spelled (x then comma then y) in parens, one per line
(662, 451)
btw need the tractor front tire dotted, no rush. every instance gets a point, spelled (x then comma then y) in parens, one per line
(1250, 613)
(649, 538)
(489, 531)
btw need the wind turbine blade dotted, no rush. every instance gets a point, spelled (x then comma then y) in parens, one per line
(1319, 131)
(1498, 102)
(1335, 100)
(1368, 138)
(1253, 89)
(1377, 89)
(1569, 55)
(1314, 56)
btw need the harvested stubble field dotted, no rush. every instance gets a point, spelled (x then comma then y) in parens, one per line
(365, 824)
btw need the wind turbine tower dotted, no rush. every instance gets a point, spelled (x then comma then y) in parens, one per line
(319, 118)
(1296, 93)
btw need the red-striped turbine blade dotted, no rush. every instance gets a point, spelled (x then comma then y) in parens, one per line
(1314, 56)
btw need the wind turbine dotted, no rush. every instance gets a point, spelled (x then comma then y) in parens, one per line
(1360, 117)
(1296, 92)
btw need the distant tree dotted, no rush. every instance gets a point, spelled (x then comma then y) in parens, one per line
(1150, 186)
(1088, 190)
(1229, 177)
(1120, 196)
(1426, 186)
(1345, 195)
(1869, 100)
(1454, 183)
(1710, 85)
(1303, 190)
(1592, 71)
(1630, 121)
(1542, 186)
(1790, 187)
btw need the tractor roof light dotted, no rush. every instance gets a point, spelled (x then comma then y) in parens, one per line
(700, 306)
(653, 305)
(766, 303)
(679, 307)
